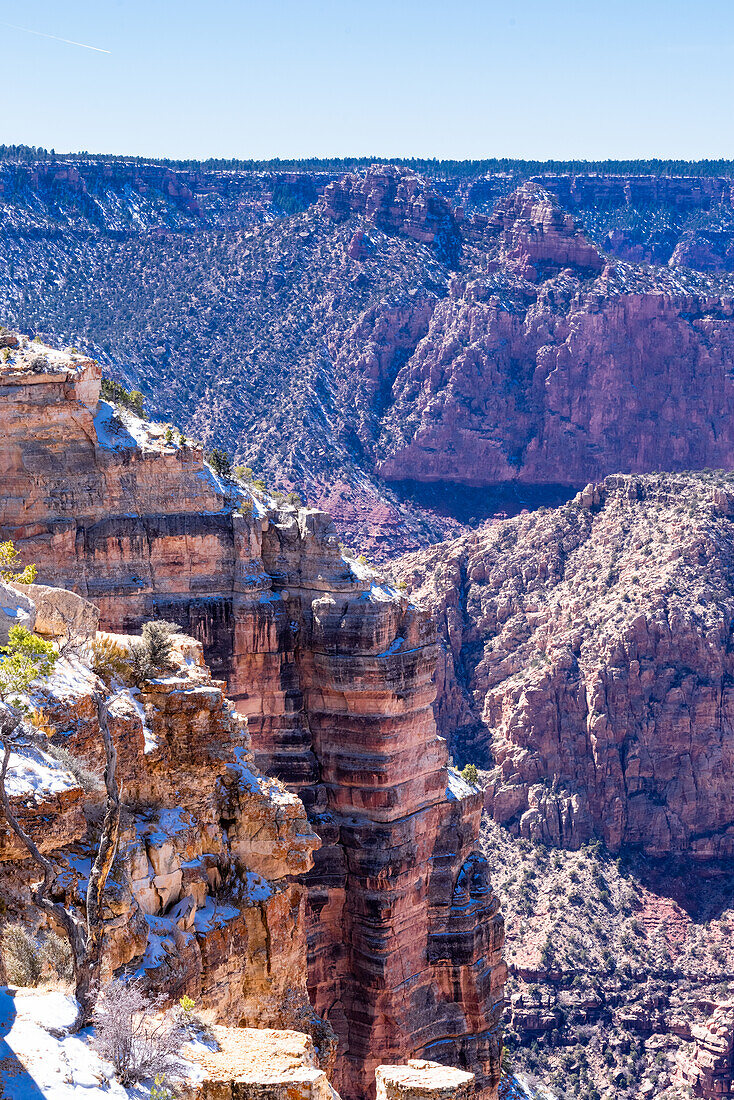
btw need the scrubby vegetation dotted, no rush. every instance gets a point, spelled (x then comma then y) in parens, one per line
(152, 655)
(29, 961)
(10, 566)
(116, 393)
(132, 1030)
(25, 658)
(109, 659)
(602, 959)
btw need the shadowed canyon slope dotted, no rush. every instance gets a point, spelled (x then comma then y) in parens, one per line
(587, 662)
(333, 669)
(371, 335)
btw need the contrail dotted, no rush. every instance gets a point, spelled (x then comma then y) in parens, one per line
(55, 37)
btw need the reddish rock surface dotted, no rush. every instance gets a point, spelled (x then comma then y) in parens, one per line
(333, 669)
(377, 326)
(537, 237)
(202, 897)
(398, 200)
(563, 382)
(586, 662)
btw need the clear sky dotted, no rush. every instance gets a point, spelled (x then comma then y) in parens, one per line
(444, 78)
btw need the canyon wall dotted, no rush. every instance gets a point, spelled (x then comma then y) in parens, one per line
(494, 331)
(587, 662)
(559, 367)
(203, 897)
(332, 668)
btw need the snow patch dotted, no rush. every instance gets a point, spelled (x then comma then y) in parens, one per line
(34, 773)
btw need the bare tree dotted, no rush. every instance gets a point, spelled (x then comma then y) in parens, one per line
(84, 930)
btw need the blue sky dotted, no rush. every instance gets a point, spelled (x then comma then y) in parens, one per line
(292, 78)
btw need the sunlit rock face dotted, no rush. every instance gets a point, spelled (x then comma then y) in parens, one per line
(587, 662)
(386, 341)
(332, 668)
(201, 899)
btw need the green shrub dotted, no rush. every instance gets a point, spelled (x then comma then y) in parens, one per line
(470, 773)
(157, 640)
(10, 566)
(220, 462)
(116, 393)
(26, 658)
(152, 654)
(139, 664)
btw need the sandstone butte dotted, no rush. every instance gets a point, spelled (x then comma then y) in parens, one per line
(586, 663)
(332, 669)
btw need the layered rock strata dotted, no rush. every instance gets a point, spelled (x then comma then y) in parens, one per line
(469, 333)
(586, 661)
(398, 201)
(332, 668)
(556, 352)
(201, 897)
(558, 368)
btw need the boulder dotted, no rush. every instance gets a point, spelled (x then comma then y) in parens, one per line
(16, 609)
(420, 1080)
(60, 612)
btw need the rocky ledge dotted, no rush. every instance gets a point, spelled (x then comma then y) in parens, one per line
(201, 899)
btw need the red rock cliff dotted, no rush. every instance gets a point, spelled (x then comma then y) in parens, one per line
(333, 670)
(202, 897)
(587, 661)
(554, 368)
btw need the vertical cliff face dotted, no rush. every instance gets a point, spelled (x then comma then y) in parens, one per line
(588, 660)
(405, 935)
(332, 669)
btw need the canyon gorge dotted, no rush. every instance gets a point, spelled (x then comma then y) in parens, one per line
(513, 390)
(388, 342)
(331, 668)
(585, 666)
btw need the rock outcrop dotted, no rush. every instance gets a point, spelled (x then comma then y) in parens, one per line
(586, 662)
(332, 668)
(706, 1067)
(262, 1063)
(398, 200)
(421, 1080)
(537, 238)
(563, 381)
(201, 899)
